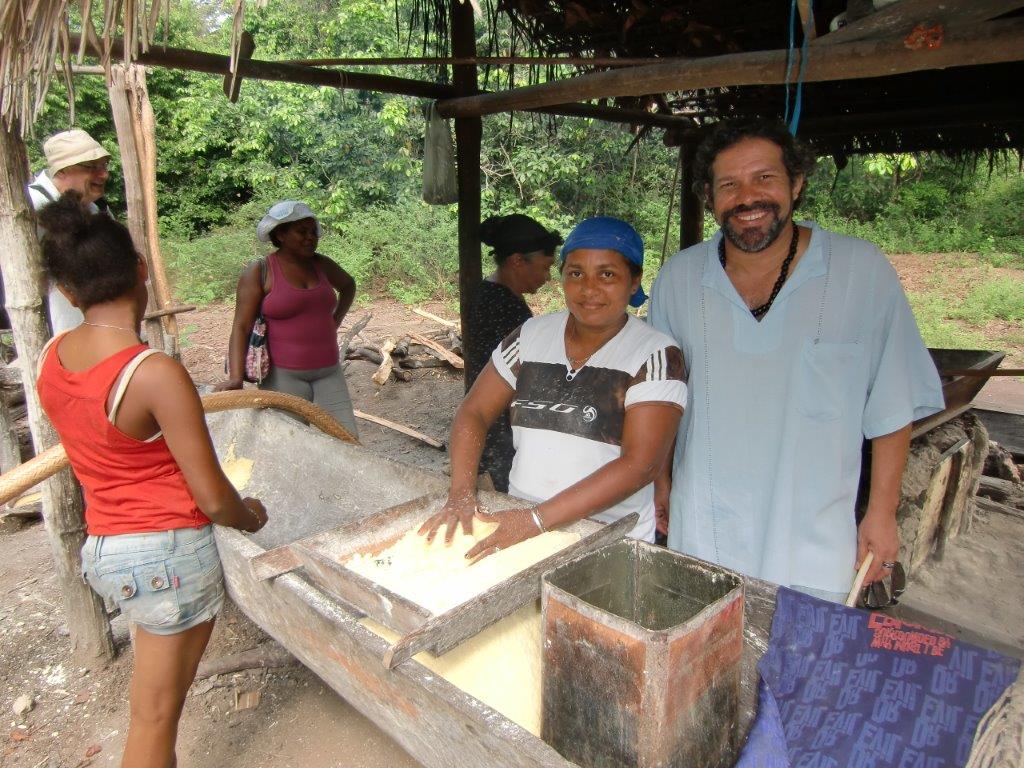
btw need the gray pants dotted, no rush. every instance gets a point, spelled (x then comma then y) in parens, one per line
(325, 387)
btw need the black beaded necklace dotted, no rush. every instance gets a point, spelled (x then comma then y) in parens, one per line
(761, 311)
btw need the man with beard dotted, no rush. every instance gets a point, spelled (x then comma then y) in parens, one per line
(74, 161)
(800, 344)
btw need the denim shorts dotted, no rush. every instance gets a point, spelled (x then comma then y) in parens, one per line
(165, 582)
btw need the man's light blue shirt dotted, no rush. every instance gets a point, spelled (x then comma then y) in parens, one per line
(768, 458)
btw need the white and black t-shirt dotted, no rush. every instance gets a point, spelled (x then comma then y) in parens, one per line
(567, 425)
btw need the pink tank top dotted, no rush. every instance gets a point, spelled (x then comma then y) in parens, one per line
(300, 322)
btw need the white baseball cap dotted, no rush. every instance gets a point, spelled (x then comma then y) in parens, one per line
(69, 148)
(282, 213)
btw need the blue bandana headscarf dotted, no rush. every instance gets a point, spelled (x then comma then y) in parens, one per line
(612, 234)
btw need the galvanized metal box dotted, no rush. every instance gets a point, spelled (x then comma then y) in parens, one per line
(642, 659)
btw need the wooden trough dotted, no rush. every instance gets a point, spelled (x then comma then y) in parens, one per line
(311, 484)
(963, 373)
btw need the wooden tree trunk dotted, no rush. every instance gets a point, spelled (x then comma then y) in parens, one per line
(21, 266)
(134, 190)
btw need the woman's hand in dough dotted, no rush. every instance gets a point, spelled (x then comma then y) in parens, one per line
(458, 509)
(514, 526)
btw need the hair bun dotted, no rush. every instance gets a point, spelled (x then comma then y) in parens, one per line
(67, 218)
(489, 229)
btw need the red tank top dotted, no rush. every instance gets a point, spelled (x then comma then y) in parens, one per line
(300, 322)
(130, 486)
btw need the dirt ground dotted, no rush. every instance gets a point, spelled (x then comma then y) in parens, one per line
(78, 716)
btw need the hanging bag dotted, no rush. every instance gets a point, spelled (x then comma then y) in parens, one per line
(440, 185)
(257, 356)
(257, 353)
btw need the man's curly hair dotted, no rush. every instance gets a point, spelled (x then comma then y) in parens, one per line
(797, 156)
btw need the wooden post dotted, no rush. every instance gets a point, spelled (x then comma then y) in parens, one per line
(134, 189)
(691, 205)
(21, 265)
(10, 454)
(144, 129)
(468, 135)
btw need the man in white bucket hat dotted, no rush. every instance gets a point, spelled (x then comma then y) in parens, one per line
(75, 161)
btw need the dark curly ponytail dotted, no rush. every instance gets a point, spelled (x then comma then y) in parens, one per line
(89, 254)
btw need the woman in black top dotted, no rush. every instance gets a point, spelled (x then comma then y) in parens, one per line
(524, 252)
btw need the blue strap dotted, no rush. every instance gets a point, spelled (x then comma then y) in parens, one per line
(793, 120)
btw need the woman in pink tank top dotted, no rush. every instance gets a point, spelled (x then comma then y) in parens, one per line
(303, 297)
(133, 427)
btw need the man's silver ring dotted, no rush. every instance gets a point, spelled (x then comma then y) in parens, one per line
(889, 565)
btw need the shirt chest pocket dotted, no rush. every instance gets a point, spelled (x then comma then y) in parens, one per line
(826, 376)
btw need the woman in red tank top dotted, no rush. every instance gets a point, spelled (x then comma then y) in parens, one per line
(133, 427)
(303, 297)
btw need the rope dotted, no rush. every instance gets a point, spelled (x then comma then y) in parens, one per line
(999, 740)
(793, 119)
(14, 483)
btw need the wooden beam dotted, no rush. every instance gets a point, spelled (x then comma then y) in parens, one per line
(483, 61)
(900, 18)
(22, 268)
(989, 43)
(215, 64)
(618, 115)
(199, 61)
(468, 138)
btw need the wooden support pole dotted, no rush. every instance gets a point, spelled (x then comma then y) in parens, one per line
(132, 164)
(144, 128)
(10, 453)
(691, 205)
(468, 138)
(21, 266)
(989, 43)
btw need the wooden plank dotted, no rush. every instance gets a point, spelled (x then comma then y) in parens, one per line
(435, 318)
(400, 428)
(989, 43)
(900, 18)
(444, 632)
(931, 514)
(450, 357)
(988, 505)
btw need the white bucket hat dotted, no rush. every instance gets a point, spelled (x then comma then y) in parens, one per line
(282, 213)
(69, 148)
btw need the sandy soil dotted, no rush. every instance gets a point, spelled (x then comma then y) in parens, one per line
(79, 716)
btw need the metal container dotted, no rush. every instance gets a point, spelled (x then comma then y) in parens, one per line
(642, 659)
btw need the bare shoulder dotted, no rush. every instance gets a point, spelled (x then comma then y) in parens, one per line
(163, 373)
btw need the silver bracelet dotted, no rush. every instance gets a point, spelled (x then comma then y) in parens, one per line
(537, 521)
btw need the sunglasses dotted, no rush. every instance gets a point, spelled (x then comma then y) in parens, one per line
(885, 592)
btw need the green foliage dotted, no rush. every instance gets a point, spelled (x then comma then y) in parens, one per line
(1001, 298)
(408, 250)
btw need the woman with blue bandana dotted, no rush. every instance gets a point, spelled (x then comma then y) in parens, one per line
(595, 396)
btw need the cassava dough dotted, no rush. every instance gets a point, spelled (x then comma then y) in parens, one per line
(501, 666)
(237, 470)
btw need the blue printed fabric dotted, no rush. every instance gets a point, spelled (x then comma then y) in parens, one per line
(842, 688)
